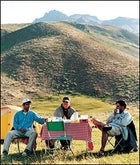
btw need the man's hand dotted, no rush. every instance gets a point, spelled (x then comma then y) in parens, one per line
(46, 120)
(22, 130)
(116, 111)
(64, 117)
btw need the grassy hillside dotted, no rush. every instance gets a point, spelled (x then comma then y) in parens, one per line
(117, 38)
(57, 58)
(13, 27)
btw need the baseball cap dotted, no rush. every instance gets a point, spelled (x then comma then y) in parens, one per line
(66, 99)
(26, 100)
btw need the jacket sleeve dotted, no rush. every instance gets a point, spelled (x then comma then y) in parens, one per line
(16, 123)
(110, 118)
(39, 119)
(58, 112)
(125, 120)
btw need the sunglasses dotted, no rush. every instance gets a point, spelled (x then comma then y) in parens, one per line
(27, 103)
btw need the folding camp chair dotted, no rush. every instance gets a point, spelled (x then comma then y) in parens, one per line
(24, 140)
(58, 126)
(128, 144)
(117, 144)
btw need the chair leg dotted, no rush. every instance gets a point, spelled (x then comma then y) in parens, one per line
(116, 145)
(25, 141)
(109, 140)
(69, 145)
(18, 146)
(71, 150)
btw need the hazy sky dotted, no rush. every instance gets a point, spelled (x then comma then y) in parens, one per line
(27, 11)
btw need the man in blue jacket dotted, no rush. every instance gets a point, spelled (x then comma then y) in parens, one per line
(23, 126)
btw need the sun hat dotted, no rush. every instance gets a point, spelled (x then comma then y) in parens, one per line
(66, 99)
(26, 100)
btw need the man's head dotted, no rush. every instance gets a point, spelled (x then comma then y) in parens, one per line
(66, 102)
(26, 104)
(121, 105)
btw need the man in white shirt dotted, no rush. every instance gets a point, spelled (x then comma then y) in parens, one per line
(115, 124)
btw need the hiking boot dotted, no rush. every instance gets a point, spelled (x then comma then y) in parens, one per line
(24, 154)
(66, 147)
(27, 153)
(135, 149)
(4, 155)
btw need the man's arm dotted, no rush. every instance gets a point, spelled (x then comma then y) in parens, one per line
(58, 113)
(16, 123)
(39, 119)
(110, 118)
(125, 119)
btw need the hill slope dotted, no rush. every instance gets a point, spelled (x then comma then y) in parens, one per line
(117, 38)
(58, 58)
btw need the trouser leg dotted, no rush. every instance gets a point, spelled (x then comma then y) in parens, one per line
(50, 143)
(65, 142)
(32, 138)
(9, 137)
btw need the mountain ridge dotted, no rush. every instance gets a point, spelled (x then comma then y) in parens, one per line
(130, 24)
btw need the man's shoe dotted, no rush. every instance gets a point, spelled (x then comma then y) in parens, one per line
(24, 154)
(27, 153)
(4, 155)
(66, 147)
(135, 149)
(100, 153)
(107, 128)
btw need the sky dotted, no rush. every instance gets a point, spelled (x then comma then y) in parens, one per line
(27, 11)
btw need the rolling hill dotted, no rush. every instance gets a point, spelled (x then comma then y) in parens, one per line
(54, 58)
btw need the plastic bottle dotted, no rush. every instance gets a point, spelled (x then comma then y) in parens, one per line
(74, 117)
(76, 120)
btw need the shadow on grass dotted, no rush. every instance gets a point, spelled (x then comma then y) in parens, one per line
(95, 155)
(41, 157)
(37, 158)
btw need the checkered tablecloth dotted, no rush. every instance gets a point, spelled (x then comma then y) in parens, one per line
(79, 131)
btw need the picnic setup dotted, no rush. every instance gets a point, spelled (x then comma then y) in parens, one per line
(77, 129)
(56, 128)
(56, 135)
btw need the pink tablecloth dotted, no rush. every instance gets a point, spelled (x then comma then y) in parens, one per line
(79, 131)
